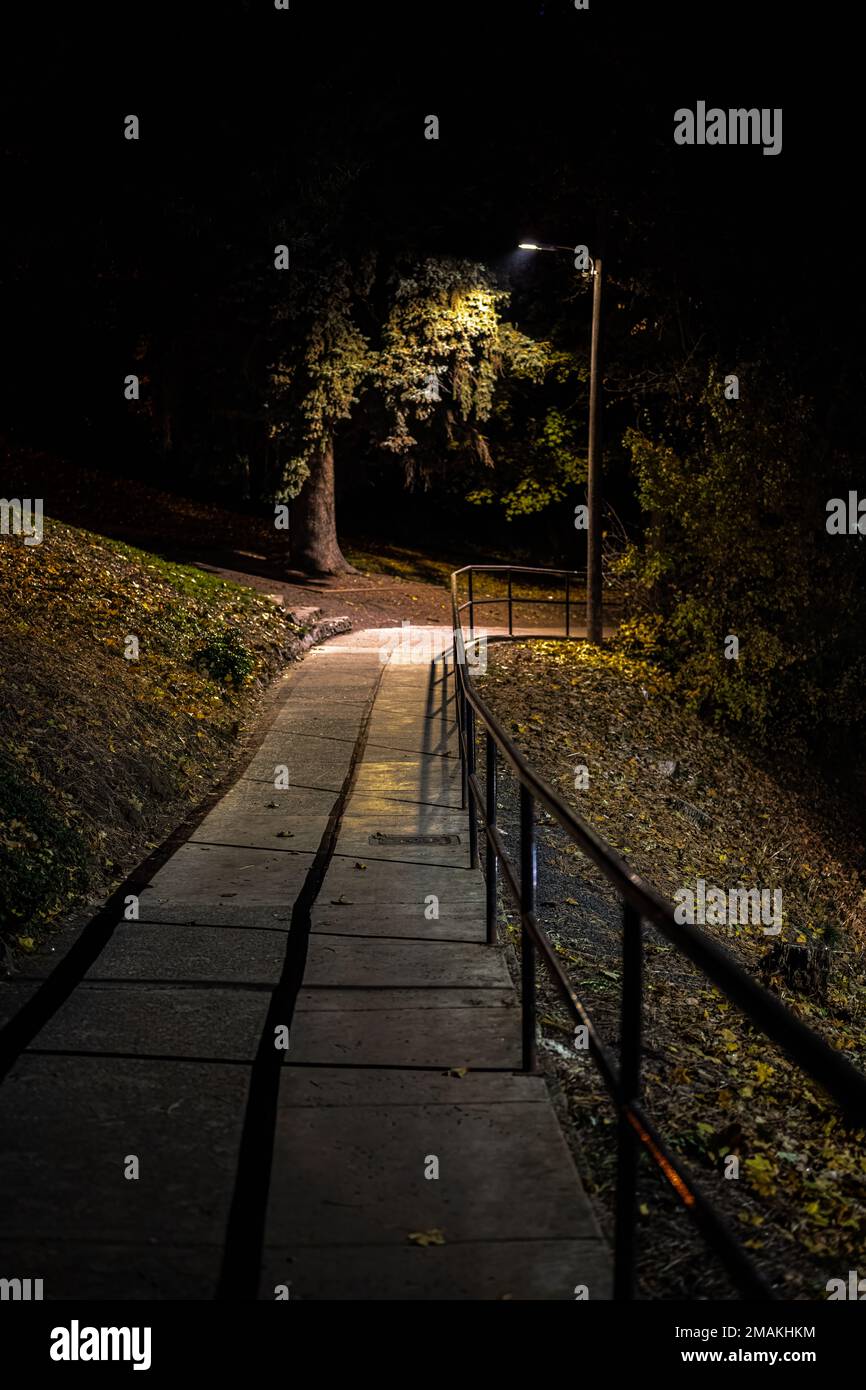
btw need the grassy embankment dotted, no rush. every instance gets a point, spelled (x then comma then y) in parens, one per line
(101, 755)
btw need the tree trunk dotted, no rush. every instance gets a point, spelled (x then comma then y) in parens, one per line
(314, 545)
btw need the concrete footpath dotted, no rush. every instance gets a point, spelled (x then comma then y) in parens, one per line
(304, 1048)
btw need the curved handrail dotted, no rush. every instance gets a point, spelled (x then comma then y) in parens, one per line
(641, 900)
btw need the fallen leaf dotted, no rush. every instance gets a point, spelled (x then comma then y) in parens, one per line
(431, 1237)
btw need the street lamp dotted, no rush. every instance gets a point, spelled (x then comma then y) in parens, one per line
(593, 463)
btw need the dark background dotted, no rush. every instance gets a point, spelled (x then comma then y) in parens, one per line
(260, 126)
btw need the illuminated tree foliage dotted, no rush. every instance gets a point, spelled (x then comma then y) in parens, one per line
(424, 369)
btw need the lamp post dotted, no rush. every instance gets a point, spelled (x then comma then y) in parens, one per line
(593, 461)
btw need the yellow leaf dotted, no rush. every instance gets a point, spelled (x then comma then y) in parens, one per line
(431, 1237)
(762, 1173)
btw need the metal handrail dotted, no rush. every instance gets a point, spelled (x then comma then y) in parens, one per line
(641, 901)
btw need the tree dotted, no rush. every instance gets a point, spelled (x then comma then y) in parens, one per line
(735, 544)
(426, 383)
(314, 382)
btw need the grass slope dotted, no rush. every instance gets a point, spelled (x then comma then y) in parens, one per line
(99, 754)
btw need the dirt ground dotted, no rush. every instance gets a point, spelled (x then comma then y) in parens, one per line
(368, 600)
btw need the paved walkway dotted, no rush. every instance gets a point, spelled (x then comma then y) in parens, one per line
(337, 914)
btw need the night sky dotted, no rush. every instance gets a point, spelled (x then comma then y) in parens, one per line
(553, 122)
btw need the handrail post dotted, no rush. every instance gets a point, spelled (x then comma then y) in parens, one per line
(527, 908)
(568, 605)
(464, 767)
(471, 607)
(460, 722)
(470, 799)
(492, 864)
(629, 1091)
(510, 608)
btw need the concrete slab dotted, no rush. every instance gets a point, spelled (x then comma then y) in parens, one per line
(268, 828)
(105, 1270)
(158, 1021)
(315, 697)
(335, 1086)
(239, 955)
(380, 791)
(456, 921)
(70, 1123)
(378, 800)
(199, 873)
(225, 914)
(451, 910)
(402, 819)
(535, 1270)
(356, 1175)
(258, 795)
(339, 723)
(414, 741)
(412, 735)
(304, 748)
(394, 703)
(357, 848)
(408, 768)
(368, 962)
(441, 1038)
(326, 773)
(400, 881)
(350, 999)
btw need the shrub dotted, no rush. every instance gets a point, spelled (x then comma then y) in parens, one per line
(226, 658)
(734, 494)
